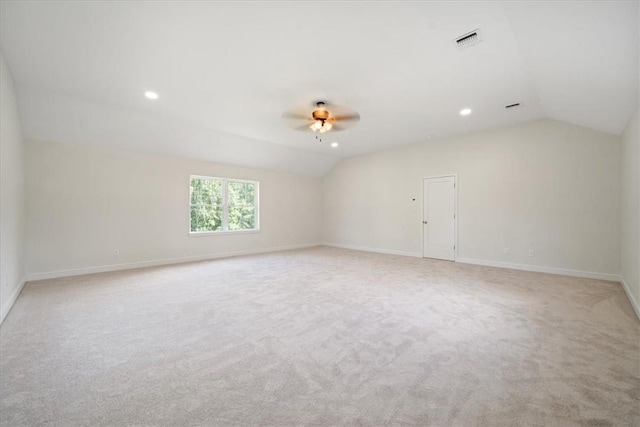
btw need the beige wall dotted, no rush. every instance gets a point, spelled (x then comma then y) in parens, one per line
(543, 185)
(84, 202)
(631, 209)
(12, 204)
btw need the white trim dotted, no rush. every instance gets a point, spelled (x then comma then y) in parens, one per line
(117, 267)
(523, 267)
(455, 212)
(142, 264)
(541, 269)
(634, 303)
(12, 299)
(376, 250)
(217, 233)
(446, 175)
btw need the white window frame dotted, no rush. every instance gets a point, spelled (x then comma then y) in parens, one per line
(225, 206)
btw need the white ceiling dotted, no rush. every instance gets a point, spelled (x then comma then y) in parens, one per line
(225, 72)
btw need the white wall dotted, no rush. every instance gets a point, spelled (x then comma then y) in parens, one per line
(12, 204)
(545, 185)
(631, 210)
(84, 202)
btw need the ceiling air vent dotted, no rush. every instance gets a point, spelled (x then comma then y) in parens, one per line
(517, 104)
(469, 39)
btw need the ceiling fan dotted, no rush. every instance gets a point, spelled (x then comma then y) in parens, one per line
(323, 118)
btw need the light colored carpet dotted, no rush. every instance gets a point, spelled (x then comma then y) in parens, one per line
(322, 336)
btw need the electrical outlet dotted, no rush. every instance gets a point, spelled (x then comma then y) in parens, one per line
(507, 251)
(532, 252)
(116, 252)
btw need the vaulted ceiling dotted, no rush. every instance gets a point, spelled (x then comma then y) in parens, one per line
(225, 72)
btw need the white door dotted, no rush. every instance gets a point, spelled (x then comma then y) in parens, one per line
(439, 222)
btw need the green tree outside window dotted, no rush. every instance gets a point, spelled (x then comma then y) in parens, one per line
(222, 205)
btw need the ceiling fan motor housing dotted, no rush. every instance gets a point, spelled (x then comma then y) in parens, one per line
(320, 114)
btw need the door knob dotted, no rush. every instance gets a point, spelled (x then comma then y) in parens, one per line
(424, 222)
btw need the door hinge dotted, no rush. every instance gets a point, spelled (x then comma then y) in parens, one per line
(454, 247)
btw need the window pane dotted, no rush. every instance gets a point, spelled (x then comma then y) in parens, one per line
(241, 193)
(206, 218)
(242, 217)
(196, 190)
(206, 191)
(213, 199)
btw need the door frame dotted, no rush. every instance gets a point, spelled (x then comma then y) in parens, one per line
(455, 211)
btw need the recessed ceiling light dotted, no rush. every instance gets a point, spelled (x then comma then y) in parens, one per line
(465, 111)
(151, 95)
(334, 144)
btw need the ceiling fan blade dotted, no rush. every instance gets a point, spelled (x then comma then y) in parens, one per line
(290, 115)
(302, 128)
(337, 128)
(347, 117)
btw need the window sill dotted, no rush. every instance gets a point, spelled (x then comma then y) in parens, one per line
(218, 233)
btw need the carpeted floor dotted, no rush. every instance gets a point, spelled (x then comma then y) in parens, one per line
(322, 336)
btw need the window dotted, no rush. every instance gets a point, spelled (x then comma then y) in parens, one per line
(222, 205)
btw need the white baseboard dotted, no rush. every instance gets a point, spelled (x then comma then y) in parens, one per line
(632, 300)
(116, 267)
(523, 267)
(12, 299)
(376, 250)
(540, 269)
(153, 263)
